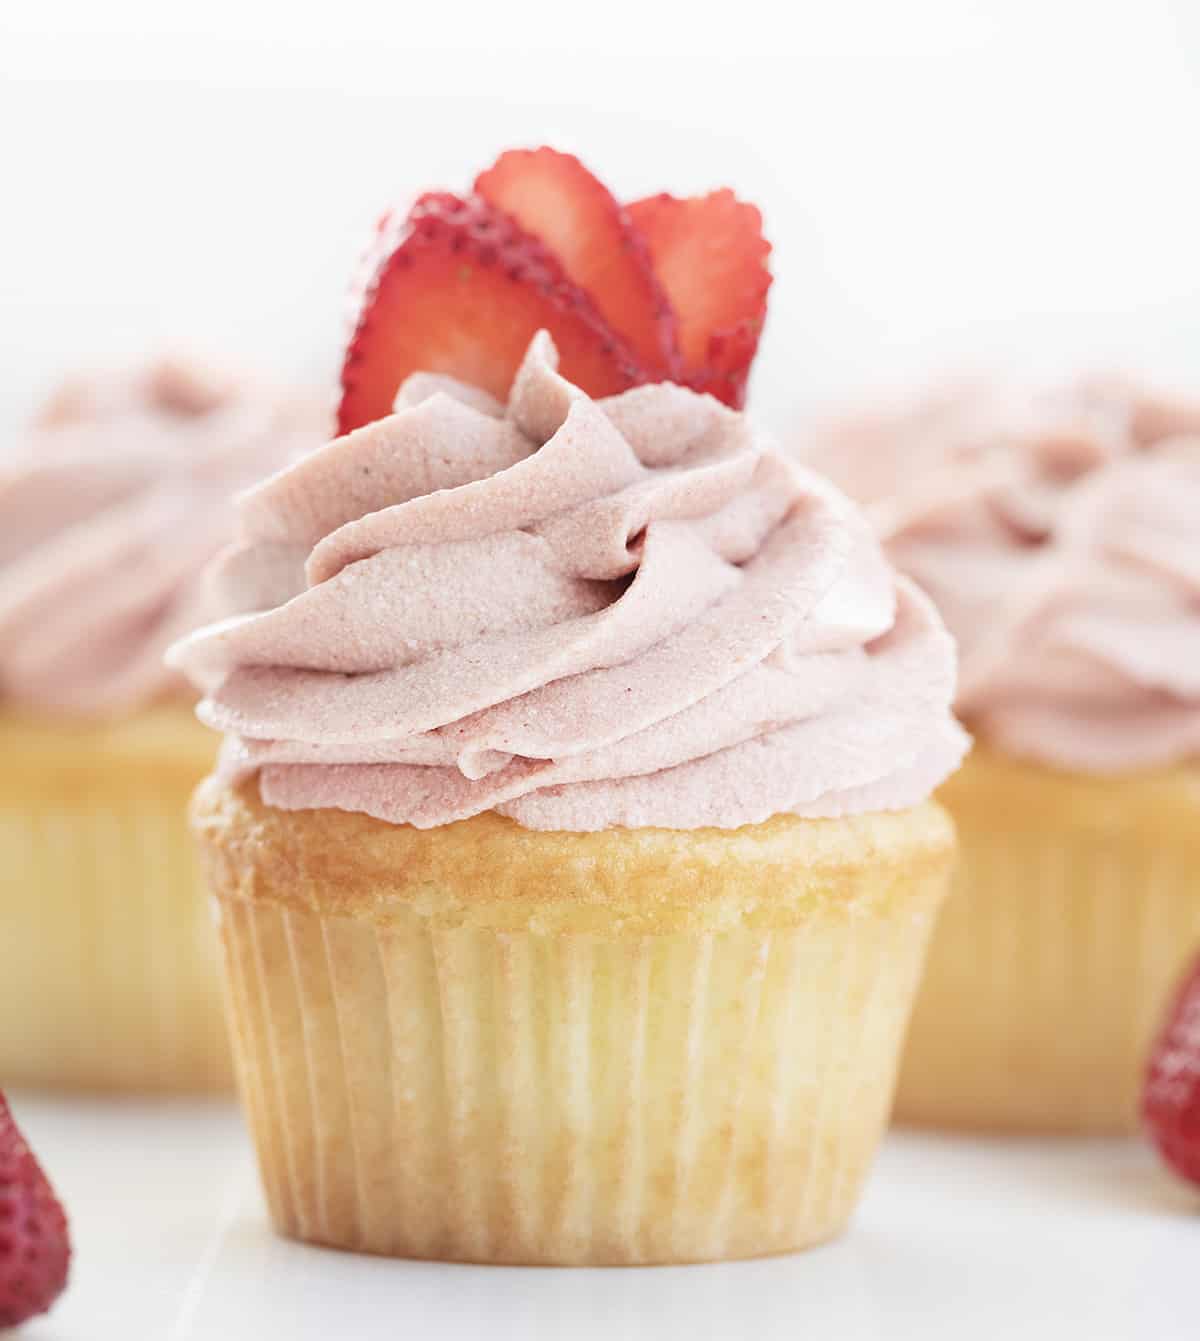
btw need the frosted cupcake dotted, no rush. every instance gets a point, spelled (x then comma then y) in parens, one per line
(1058, 536)
(110, 509)
(571, 836)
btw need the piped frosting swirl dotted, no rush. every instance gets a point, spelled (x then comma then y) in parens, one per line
(581, 614)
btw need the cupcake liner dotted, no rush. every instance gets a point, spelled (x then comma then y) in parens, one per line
(1075, 908)
(457, 1092)
(108, 962)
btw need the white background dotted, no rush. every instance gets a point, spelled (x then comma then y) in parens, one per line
(944, 180)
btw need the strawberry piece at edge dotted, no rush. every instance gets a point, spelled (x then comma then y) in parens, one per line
(35, 1247)
(1171, 1102)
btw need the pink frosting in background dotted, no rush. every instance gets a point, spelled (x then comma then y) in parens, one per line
(111, 508)
(580, 614)
(1059, 535)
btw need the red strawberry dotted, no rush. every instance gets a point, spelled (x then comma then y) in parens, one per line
(710, 254)
(462, 291)
(35, 1250)
(554, 197)
(1171, 1104)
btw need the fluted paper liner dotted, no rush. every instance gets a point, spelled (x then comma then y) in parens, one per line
(1075, 908)
(422, 1082)
(108, 960)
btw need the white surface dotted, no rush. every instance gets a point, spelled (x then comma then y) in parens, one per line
(946, 181)
(956, 1241)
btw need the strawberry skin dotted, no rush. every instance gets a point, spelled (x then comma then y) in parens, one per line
(711, 257)
(35, 1250)
(461, 289)
(1171, 1104)
(555, 198)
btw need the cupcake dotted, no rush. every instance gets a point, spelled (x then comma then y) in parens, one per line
(571, 834)
(1057, 533)
(110, 508)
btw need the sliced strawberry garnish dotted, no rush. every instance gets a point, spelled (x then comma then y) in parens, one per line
(462, 291)
(554, 197)
(710, 255)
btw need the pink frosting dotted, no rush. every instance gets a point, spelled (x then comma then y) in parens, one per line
(580, 614)
(1059, 534)
(110, 510)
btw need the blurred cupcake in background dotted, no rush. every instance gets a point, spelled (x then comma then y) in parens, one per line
(1059, 533)
(110, 508)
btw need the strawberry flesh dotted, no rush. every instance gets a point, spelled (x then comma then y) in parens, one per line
(711, 257)
(555, 198)
(35, 1249)
(1171, 1104)
(461, 289)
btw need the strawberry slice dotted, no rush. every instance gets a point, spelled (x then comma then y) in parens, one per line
(554, 197)
(710, 254)
(461, 289)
